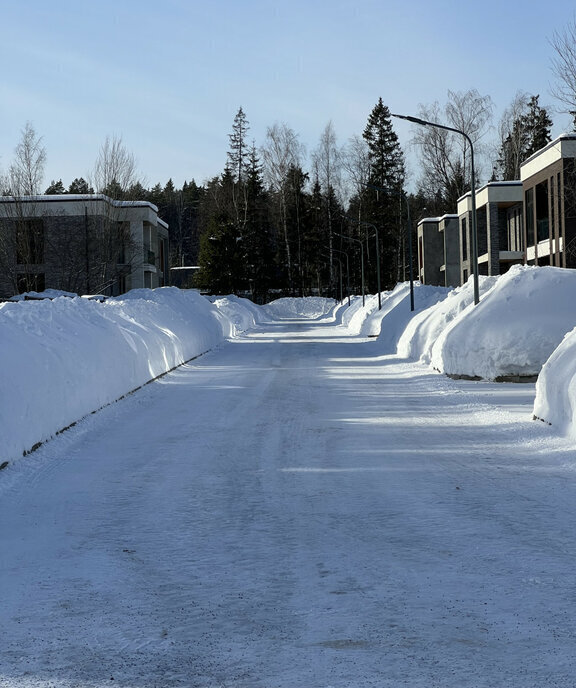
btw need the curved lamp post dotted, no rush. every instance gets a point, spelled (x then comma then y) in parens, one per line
(474, 231)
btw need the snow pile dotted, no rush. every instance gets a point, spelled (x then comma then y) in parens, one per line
(515, 327)
(355, 314)
(240, 314)
(392, 319)
(312, 307)
(555, 401)
(425, 328)
(62, 359)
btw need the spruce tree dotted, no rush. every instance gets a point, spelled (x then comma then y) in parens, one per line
(538, 127)
(238, 153)
(257, 239)
(55, 188)
(382, 199)
(80, 186)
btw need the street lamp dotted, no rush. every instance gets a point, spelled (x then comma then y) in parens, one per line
(474, 232)
(347, 272)
(361, 259)
(368, 224)
(411, 262)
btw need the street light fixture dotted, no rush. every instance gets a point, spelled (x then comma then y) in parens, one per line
(361, 260)
(473, 228)
(347, 272)
(369, 224)
(409, 222)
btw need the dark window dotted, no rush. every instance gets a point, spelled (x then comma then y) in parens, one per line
(464, 239)
(542, 212)
(30, 242)
(529, 200)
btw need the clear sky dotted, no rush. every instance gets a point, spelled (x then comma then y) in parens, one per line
(169, 77)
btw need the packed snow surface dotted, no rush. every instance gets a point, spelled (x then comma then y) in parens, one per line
(296, 507)
(65, 357)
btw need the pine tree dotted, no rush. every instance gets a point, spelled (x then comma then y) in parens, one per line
(55, 188)
(528, 132)
(238, 153)
(80, 186)
(382, 201)
(257, 239)
(538, 127)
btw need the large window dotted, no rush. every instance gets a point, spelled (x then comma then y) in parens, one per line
(542, 212)
(464, 239)
(30, 241)
(529, 201)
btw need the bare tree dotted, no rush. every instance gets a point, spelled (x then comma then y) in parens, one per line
(564, 67)
(512, 137)
(112, 248)
(445, 156)
(115, 170)
(22, 233)
(356, 164)
(281, 153)
(26, 172)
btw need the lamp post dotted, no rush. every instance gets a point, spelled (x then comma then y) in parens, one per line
(361, 260)
(368, 224)
(473, 228)
(347, 272)
(409, 222)
(331, 259)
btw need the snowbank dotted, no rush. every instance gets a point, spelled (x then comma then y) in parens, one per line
(555, 401)
(422, 332)
(515, 327)
(240, 314)
(312, 307)
(62, 359)
(390, 322)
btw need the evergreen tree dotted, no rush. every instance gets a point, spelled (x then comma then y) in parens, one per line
(385, 182)
(257, 239)
(80, 186)
(220, 259)
(238, 153)
(528, 132)
(55, 188)
(538, 127)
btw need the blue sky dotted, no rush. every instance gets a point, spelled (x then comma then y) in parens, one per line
(169, 77)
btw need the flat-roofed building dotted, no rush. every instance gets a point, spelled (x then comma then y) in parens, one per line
(81, 243)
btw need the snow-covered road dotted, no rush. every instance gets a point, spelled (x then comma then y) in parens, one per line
(293, 511)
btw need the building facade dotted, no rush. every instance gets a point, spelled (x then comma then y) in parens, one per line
(85, 244)
(498, 228)
(549, 185)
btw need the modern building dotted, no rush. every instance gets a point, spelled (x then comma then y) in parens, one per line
(438, 251)
(430, 251)
(85, 244)
(448, 228)
(498, 228)
(549, 186)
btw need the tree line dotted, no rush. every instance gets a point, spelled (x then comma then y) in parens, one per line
(278, 221)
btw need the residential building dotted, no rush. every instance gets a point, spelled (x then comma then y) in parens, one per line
(438, 251)
(430, 251)
(549, 185)
(498, 228)
(448, 228)
(84, 244)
